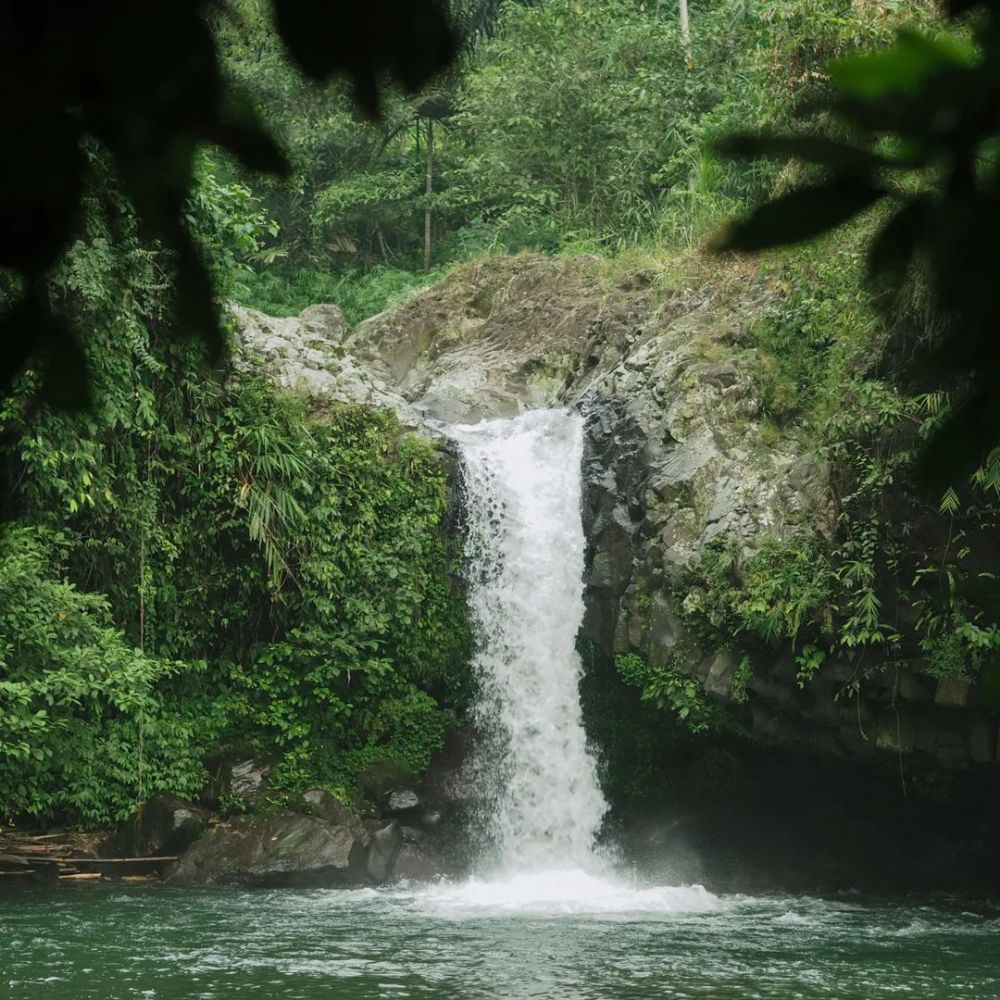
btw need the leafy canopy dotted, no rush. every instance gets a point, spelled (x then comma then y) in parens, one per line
(919, 130)
(143, 80)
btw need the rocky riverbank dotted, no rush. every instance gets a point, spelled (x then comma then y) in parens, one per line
(264, 838)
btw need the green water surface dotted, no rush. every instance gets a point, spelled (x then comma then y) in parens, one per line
(155, 941)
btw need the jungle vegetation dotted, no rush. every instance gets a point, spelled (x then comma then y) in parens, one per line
(194, 562)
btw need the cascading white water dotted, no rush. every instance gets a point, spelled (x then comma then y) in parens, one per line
(525, 553)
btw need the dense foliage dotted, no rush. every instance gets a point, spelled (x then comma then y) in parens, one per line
(921, 134)
(144, 80)
(202, 562)
(627, 160)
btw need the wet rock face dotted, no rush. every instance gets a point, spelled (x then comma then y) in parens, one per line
(675, 461)
(615, 469)
(386, 842)
(288, 849)
(325, 845)
(165, 825)
(415, 864)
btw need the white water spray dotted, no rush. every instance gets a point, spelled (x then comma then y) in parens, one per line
(525, 550)
(525, 554)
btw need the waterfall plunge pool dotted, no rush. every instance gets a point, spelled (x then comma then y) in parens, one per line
(549, 928)
(479, 940)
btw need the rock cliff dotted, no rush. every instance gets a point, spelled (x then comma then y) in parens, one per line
(677, 458)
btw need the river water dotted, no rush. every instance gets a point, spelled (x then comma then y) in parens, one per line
(548, 915)
(449, 942)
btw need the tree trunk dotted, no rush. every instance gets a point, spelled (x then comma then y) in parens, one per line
(686, 32)
(381, 244)
(428, 191)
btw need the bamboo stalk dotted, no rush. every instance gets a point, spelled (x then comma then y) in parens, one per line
(686, 32)
(428, 191)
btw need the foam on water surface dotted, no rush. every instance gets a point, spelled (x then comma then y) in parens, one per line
(558, 893)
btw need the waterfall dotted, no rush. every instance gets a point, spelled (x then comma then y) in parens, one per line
(525, 556)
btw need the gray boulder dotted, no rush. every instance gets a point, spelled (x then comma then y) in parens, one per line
(287, 849)
(402, 803)
(306, 353)
(383, 851)
(247, 779)
(235, 780)
(166, 824)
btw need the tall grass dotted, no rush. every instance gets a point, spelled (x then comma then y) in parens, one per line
(359, 294)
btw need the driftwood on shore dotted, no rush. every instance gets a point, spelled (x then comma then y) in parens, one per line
(65, 856)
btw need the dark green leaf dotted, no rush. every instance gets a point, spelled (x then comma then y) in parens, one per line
(957, 7)
(64, 368)
(197, 313)
(408, 39)
(958, 446)
(902, 69)
(41, 180)
(801, 215)
(822, 152)
(22, 326)
(893, 248)
(242, 133)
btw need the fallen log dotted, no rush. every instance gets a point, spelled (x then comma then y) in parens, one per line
(159, 859)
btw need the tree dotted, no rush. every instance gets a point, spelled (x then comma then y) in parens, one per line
(923, 123)
(613, 77)
(143, 80)
(682, 11)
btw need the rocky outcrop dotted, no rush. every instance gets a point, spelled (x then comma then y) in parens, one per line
(324, 845)
(385, 844)
(664, 378)
(402, 804)
(165, 825)
(235, 780)
(306, 353)
(677, 459)
(287, 849)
